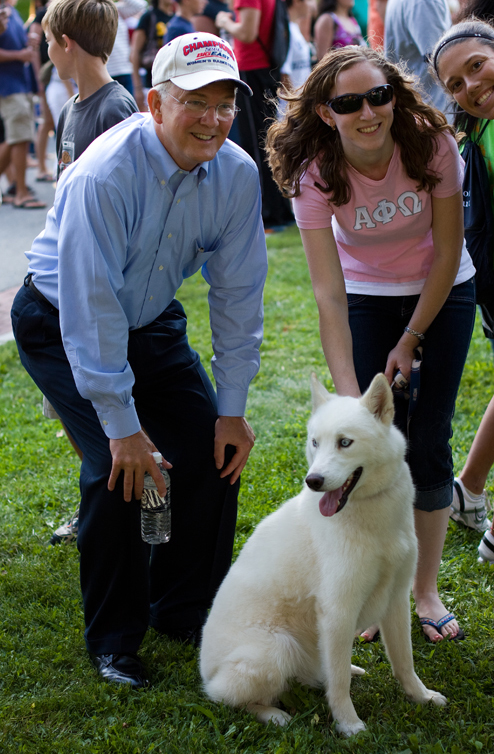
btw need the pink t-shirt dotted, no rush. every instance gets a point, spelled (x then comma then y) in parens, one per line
(384, 233)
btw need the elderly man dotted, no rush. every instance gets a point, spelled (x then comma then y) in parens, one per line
(152, 201)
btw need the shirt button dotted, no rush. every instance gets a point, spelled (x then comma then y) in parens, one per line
(160, 267)
(169, 235)
(178, 201)
(163, 183)
(104, 421)
(150, 298)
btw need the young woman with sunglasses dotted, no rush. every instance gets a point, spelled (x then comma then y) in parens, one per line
(376, 180)
(463, 60)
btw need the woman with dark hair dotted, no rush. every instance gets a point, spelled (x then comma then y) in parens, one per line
(376, 179)
(464, 62)
(481, 9)
(336, 26)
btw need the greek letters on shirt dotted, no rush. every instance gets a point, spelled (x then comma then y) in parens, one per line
(407, 203)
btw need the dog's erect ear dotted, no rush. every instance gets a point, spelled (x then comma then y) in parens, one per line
(378, 399)
(319, 393)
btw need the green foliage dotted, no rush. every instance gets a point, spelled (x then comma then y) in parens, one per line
(50, 698)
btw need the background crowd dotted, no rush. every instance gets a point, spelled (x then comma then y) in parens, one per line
(315, 27)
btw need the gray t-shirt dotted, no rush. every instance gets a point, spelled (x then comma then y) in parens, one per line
(80, 123)
(411, 29)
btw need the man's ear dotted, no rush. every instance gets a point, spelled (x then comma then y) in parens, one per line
(154, 103)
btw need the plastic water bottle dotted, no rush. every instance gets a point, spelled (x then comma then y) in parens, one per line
(155, 510)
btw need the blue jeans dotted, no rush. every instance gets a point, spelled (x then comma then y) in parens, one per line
(377, 323)
(126, 584)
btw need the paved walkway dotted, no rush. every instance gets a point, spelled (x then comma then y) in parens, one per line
(18, 229)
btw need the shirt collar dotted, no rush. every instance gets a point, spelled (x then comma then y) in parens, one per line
(160, 161)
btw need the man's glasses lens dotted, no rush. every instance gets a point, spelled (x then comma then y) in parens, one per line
(351, 103)
(199, 108)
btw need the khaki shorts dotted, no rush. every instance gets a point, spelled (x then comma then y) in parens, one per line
(16, 111)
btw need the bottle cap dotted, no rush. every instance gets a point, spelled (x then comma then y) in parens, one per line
(157, 457)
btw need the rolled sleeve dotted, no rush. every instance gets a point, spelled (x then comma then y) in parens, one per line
(92, 250)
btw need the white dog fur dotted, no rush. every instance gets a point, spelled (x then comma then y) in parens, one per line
(305, 583)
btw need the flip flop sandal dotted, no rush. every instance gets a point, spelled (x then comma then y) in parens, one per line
(45, 178)
(30, 203)
(440, 623)
(9, 196)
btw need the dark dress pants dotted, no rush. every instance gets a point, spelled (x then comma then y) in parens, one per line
(377, 323)
(127, 584)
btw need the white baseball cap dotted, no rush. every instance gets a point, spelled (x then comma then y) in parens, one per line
(195, 60)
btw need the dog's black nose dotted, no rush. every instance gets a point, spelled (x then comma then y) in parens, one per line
(314, 481)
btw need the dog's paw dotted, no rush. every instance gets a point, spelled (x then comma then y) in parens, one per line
(436, 698)
(356, 670)
(350, 729)
(269, 714)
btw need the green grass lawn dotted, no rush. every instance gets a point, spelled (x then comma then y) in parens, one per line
(51, 701)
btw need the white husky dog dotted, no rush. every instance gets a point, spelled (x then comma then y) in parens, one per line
(330, 562)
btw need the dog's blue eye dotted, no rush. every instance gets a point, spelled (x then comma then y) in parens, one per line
(345, 442)
(315, 443)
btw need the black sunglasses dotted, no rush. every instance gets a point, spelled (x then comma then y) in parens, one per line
(351, 103)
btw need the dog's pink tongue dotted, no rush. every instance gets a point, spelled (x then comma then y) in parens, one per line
(328, 504)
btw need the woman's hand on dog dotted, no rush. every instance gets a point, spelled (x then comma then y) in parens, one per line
(236, 431)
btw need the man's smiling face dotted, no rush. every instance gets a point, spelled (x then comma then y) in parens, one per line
(190, 140)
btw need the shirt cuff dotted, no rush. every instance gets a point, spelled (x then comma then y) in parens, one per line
(119, 424)
(231, 402)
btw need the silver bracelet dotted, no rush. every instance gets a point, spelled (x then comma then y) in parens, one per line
(418, 335)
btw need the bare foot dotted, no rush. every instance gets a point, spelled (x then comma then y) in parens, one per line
(430, 606)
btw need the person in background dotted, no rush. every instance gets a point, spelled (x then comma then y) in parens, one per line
(16, 106)
(151, 28)
(46, 123)
(206, 21)
(80, 36)
(181, 23)
(481, 9)
(119, 66)
(336, 26)
(411, 29)
(252, 31)
(464, 62)
(297, 66)
(376, 181)
(4, 18)
(375, 24)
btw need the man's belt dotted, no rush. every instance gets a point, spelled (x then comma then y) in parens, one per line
(28, 282)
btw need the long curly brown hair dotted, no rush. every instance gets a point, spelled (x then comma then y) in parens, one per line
(302, 136)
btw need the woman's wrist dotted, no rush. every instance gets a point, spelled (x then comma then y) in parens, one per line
(414, 333)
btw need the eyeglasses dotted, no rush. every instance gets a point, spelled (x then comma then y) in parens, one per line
(198, 108)
(351, 103)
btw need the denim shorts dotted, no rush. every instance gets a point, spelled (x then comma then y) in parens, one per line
(377, 323)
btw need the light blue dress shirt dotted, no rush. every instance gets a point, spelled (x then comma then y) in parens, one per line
(126, 228)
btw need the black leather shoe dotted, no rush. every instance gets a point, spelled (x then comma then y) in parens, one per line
(121, 669)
